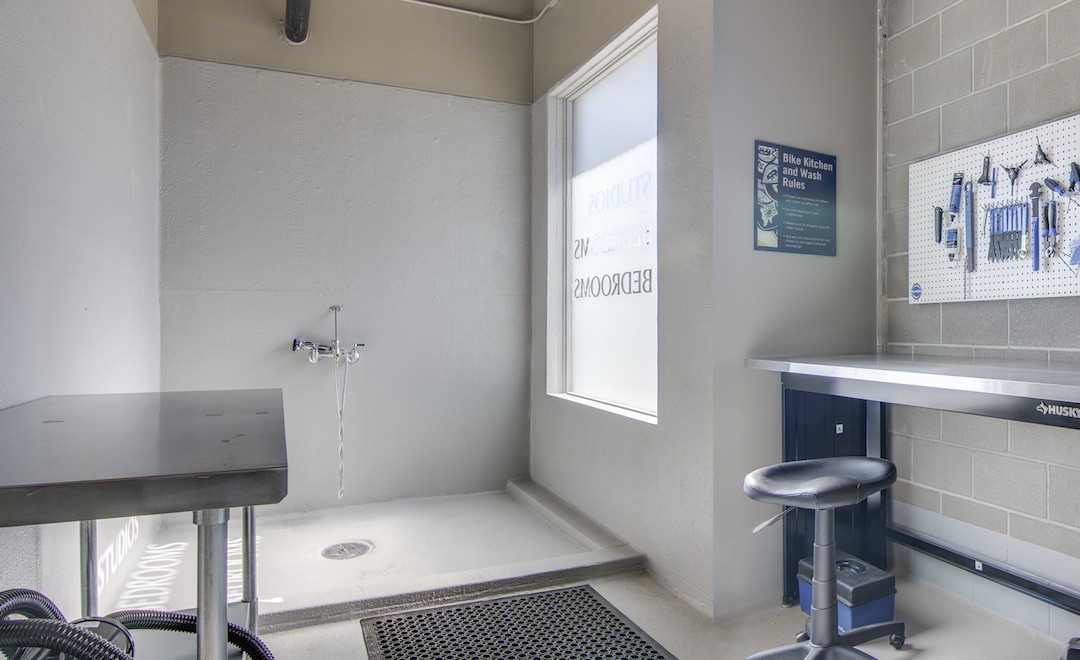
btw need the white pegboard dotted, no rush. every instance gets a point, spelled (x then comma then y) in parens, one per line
(931, 277)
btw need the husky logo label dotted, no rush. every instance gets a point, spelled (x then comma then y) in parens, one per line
(1058, 410)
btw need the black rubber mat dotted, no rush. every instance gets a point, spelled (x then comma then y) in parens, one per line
(563, 624)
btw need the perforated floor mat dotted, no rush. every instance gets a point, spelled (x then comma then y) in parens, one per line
(563, 624)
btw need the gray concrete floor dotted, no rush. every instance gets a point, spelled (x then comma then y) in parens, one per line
(470, 539)
(939, 627)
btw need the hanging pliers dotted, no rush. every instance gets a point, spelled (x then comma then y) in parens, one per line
(1051, 223)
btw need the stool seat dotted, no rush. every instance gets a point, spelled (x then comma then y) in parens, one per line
(820, 483)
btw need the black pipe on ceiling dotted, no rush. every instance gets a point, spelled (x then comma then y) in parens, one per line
(297, 13)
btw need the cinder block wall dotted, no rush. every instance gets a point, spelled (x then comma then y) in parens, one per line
(956, 74)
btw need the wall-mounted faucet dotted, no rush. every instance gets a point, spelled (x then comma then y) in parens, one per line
(338, 354)
(332, 350)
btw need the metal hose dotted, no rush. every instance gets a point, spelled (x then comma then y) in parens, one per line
(28, 603)
(59, 636)
(175, 621)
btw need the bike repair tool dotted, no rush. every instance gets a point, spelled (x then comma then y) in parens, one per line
(1017, 214)
(1036, 194)
(993, 184)
(1044, 236)
(939, 217)
(1058, 189)
(994, 253)
(1014, 232)
(969, 225)
(1074, 176)
(1002, 251)
(1014, 172)
(1040, 155)
(1052, 233)
(1023, 251)
(984, 178)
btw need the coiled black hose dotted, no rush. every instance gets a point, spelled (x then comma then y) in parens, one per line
(58, 636)
(161, 620)
(28, 603)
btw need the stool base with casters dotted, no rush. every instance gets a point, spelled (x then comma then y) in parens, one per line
(825, 484)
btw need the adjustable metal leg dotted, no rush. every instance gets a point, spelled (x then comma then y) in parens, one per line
(212, 627)
(823, 608)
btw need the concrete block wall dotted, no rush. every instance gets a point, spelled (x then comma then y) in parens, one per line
(957, 73)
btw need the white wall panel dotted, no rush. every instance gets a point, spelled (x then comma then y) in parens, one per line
(78, 229)
(285, 194)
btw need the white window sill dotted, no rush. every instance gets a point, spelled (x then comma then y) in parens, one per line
(648, 418)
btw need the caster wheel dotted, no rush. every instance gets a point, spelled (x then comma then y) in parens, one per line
(802, 637)
(897, 640)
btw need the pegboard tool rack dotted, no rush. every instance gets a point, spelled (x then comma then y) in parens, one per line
(932, 278)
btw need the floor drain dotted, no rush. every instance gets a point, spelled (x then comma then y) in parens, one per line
(347, 550)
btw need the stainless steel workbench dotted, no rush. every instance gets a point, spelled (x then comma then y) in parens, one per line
(1030, 391)
(86, 457)
(1023, 390)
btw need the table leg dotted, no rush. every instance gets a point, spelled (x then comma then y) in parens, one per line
(251, 584)
(212, 629)
(88, 570)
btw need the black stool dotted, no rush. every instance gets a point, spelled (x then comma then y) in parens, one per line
(825, 484)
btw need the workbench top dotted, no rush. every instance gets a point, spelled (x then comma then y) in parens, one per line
(1020, 378)
(85, 457)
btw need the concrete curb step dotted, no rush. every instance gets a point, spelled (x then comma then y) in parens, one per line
(467, 585)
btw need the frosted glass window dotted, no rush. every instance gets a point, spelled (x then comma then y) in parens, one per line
(612, 283)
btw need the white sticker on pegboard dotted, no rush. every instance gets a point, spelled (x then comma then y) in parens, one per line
(1007, 253)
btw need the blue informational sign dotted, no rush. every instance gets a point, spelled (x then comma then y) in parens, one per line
(794, 200)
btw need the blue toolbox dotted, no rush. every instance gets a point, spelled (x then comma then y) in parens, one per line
(866, 593)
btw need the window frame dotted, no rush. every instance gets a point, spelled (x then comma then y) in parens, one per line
(559, 104)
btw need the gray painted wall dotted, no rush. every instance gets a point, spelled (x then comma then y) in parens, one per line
(956, 74)
(802, 74)
(78, 229)
(284, 194)
(651, 484)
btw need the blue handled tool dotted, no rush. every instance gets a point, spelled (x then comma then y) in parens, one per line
(1052, 234)
(969, 225)
(954, 197)
(1057, 188)
(1045, 234)
(1036, 194)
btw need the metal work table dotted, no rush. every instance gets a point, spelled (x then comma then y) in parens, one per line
(1021, 390)
(86, 457)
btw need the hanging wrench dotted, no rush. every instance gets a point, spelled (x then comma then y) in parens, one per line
(1023, 251)
(1036, 194)
(969, 219)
